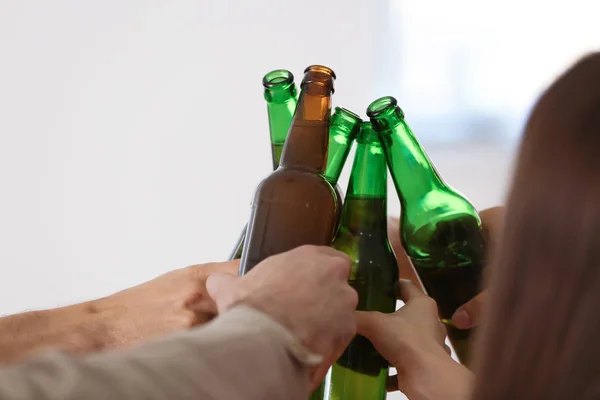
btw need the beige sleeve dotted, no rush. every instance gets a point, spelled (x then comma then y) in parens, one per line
(241, 355)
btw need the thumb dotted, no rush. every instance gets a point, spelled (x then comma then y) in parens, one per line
(469, 314)
(367, 323)
(221, 287)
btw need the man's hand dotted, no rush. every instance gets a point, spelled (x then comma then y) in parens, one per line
(469, 315)
(306, 290)
(173, 301)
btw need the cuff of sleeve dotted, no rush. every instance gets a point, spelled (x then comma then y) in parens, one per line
(293, 346)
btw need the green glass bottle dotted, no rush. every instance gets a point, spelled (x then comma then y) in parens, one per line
(440, 228)
(345, 125)
(295, 205)
(281, 96)
(361, 372)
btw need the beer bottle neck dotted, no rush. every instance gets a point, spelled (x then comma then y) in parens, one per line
(281, 96)
(365, 207)
(345, 125)
(412, 172)
(307, 141)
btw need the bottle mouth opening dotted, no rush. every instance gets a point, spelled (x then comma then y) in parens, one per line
(349, 115)
(322, 69)
(381, 105)
(347, 122)
(278, 77)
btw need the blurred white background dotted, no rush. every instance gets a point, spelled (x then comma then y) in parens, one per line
(132, 134)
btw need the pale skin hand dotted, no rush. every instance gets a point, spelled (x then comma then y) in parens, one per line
(307, 291)
(174, 301)
(468, 315)
(412, 340)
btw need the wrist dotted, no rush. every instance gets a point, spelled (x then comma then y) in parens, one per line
(85, 328)
(266, 305)
(299, 352)
(438, 377)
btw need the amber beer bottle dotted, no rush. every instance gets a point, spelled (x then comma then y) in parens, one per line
(344, 126)
(440, 228)
(295, 205)
(281, 96)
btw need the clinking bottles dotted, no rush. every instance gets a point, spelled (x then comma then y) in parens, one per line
(281, 103)
(295, 205)
(440, 229)
(361, 372)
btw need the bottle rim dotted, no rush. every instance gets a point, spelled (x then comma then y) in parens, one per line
(348, 121)
(348, 114)
(277, 78)
(322, 69)
(381, 105)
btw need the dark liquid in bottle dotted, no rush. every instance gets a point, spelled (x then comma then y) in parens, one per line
(453, 275)
(375, 275)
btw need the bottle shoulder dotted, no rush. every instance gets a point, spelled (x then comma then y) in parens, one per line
(442, 228)
(438, 205)
(289, 177)
(296, 188)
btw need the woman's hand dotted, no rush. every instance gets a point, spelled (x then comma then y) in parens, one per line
(468, 315)
(412, 339)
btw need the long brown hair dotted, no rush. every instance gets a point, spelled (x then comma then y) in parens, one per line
(541, 335)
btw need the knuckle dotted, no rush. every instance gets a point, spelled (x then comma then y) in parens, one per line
(197, 271)
(340, 265)
(191, 297)
(429, 304)
(190, 319)
(352, 296)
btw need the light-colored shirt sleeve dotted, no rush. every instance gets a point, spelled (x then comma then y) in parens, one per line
(241, 355)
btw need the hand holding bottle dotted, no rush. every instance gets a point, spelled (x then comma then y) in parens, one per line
(306, 290)
(412, 340)
(469, 315)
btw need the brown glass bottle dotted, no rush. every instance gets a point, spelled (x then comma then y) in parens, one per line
(281, 96)
(295, 205)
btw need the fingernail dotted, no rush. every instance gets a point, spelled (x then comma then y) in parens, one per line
(461, 319)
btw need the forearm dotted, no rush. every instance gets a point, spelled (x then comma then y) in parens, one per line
(243, 354)
(74, 329)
